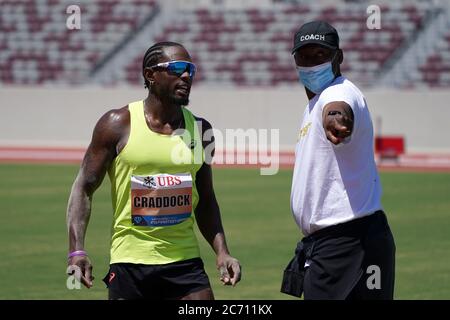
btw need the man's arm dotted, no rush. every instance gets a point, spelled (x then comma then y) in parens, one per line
(99, 155)
(209, 221)
(337, 117)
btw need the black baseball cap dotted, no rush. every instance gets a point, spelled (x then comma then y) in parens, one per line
(318, 32)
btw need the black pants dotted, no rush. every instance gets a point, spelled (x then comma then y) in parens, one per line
(156, 282)
(352, 260)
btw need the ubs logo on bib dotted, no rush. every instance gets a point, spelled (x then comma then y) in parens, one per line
(153, 182)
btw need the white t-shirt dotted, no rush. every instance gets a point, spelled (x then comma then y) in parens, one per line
(334, 183)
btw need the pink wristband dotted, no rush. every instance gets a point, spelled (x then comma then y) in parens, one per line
(77, 253)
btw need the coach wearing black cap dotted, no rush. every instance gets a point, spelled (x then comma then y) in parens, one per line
(348, 251)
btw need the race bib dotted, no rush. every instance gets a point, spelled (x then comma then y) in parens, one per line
(161, 200)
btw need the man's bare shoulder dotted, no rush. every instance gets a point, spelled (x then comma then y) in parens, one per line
(113, 124)
(116, 117)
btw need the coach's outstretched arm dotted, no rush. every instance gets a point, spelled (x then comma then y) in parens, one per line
(208, 218)
(96, 162)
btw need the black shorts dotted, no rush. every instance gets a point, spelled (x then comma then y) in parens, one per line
(352, 260)
(168, 281)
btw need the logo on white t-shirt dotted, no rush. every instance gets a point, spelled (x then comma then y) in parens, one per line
(304, 131)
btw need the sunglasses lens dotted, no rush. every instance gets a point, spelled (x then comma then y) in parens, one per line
(180, 67)
(177, 67)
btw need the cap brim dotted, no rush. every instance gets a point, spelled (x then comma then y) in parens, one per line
(304, 43)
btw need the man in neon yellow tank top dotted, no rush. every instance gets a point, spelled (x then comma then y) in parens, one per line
(160, 184)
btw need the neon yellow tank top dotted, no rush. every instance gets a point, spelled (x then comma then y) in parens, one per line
(153, 193)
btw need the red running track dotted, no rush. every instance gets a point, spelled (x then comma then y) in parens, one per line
(408, 162)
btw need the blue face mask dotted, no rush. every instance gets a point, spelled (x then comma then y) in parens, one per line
(316, 78)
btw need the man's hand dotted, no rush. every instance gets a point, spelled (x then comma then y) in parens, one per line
(229, 268)
(85, 266)
(337, 121)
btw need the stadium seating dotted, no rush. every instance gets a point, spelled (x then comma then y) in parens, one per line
(231, 46)
(435, 72)
(36, 47)
(252, 47)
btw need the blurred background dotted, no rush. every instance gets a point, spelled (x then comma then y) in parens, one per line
(63, 63)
